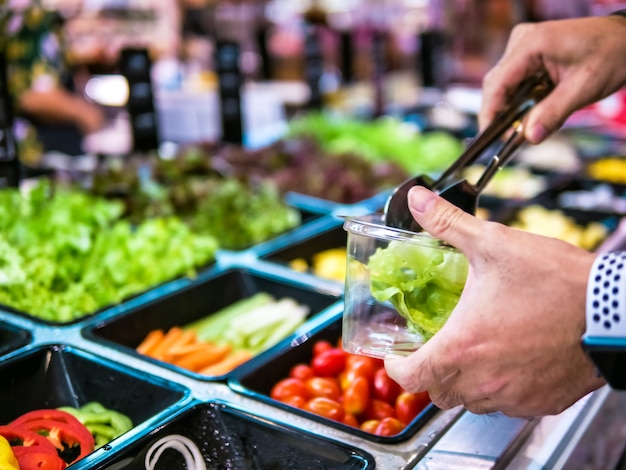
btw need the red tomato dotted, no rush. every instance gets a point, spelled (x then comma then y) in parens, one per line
(385, 388)
(389, 427)
(288, 388)
(326, 408)
(378, 409)
(321, 346)
(409, 405)
(361, 365)
(295, 401)
(357, 396)
(370, 425)
(326, 387)
(329, 363)
(302, 372)
(351, 420)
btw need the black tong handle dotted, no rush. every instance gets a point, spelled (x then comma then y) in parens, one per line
(530, 92)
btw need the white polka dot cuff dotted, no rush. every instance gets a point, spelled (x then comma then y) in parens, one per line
(606, 296)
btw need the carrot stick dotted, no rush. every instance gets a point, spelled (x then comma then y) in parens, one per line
(185, 339)
(170, 338)
(180, 352)
(150, 342)
(227, 364)
(197, 360)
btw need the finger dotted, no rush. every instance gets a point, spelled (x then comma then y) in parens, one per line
(443, 220)
(481, 406)
(517, 64)
(548, 115)
(422, 370)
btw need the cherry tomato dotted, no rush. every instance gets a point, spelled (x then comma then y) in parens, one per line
(325, 407)
(295, 401)
(378, 409)
(321, 346)
(357, 396)
(385, 388)
(302, 372)
(350, 420)
(329, 363)
(389, 427)
(361, 365)
(370, 425)
(409, 405)
(326, 387)
(288, 388)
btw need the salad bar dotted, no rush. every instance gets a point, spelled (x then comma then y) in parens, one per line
(228, 353)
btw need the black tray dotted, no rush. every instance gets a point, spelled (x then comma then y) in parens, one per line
(52, 376)
(256, 379)
(228, 437)
(12, 338)
(199, 299)
(335, 237)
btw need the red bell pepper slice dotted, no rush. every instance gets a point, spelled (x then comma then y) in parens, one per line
(73, 429)
(38, 458)
(18, 435)
(47, 413)
(63, 435)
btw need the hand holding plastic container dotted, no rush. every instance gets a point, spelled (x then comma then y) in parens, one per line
(401, 287)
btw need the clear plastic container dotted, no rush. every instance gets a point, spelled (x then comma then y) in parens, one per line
(401, 287)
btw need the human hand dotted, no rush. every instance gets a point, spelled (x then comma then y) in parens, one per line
(512, 344)
(585, 57)
(89, 117)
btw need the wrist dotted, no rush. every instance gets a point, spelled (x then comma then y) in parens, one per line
(605, 336)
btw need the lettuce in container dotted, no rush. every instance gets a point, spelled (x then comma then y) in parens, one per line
(422, 281)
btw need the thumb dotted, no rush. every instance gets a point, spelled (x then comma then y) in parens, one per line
(444, 220)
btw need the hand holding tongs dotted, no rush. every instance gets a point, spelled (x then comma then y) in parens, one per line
(451, 185)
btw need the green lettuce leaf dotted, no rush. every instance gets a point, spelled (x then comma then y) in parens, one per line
(422, 282)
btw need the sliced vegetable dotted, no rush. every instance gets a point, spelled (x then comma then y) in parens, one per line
(229, 363)
(63, 435)
(38, 458)
(8, 461)
(18, 435)
(104, 424)
(187, 448)
(60, 427)
(32, 451)
(213, 326)
(253, 324)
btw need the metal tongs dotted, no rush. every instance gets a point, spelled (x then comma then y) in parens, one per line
(452, 185)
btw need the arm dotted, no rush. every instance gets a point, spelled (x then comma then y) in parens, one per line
(55, 105)
(513, 343)
(585, 57)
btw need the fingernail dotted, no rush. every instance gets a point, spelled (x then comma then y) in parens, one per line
(537, 133)
(420, 198)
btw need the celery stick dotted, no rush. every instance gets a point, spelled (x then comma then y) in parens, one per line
(287, 327)
(265, 316)
(213, 326)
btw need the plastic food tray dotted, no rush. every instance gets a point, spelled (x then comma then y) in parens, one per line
(198, 300)
(257, 378)
(12, 338)
(229, 437)
(50, 376)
